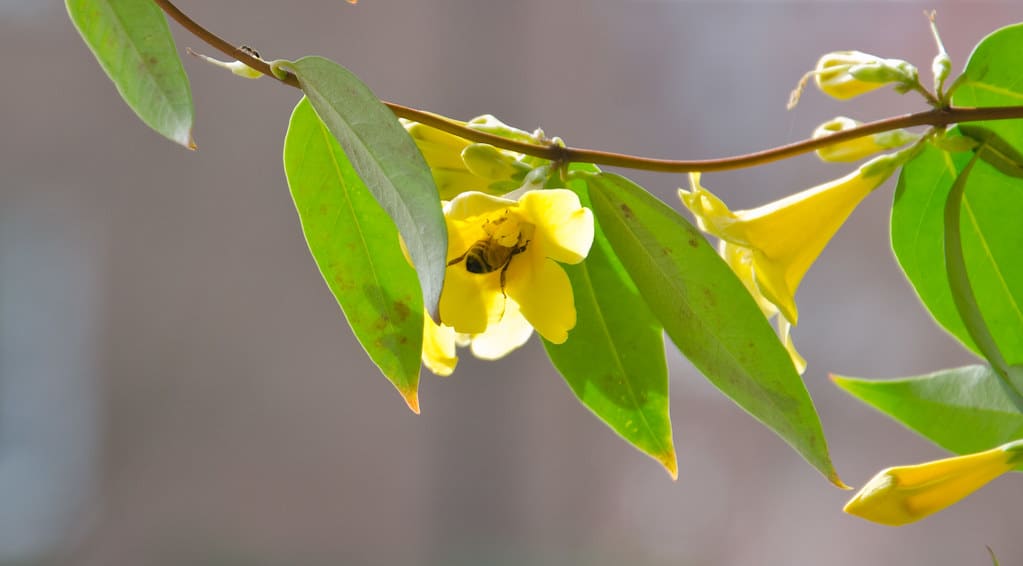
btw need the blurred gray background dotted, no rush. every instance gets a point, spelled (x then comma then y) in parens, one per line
(177, 385)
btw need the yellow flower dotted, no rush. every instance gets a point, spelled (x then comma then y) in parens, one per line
(783, 238)
(904, 494)
(503, 278)
(505, 254)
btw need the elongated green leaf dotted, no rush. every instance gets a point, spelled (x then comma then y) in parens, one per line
(388, 162)
(963, 410)
(962, 290)
(355, 245)
(613, 359)
(998, 152)
(708, 313)
(133, 44)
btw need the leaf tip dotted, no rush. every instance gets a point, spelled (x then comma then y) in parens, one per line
(837, 482)
(670, 463)
(185, 139)
(411, 397)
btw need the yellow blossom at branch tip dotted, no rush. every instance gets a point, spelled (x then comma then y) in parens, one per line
(904, 494)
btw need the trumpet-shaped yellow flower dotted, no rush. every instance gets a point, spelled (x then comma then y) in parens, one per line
(504, 255)
(783, 238)
(904, 494)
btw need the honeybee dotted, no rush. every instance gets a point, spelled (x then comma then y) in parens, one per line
(489, 255)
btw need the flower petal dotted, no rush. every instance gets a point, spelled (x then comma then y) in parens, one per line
(711, 213)
(511, 332)
(740, 259)
(544, 294)
(473, 203)
(438, 347)
(469, 301)
(785, 333)
(564, 228)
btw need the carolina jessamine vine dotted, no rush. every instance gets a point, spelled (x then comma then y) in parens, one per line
(535, 237)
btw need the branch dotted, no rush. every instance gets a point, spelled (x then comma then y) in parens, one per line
(937, 117)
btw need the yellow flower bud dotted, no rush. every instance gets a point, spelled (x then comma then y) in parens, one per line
(491, 125)
(904, 494)
(459, 165)
(845, 74)
(858, 148)
(488, 162)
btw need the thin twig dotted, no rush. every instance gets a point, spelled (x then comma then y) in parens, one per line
(936, 117)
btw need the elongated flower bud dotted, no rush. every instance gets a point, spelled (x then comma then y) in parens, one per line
(488, 162)
(858, 148)
(845, 74)
(904, 494)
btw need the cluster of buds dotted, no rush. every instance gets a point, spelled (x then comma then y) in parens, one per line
(847, 74)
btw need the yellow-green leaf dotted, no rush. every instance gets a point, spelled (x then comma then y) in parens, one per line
(133, 44)
(355, 245)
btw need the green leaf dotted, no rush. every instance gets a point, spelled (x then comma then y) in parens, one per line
(388, 162)
(917, 232)
(992, 78)
(998, 152)
(613, 359)
(355, 245)
(992, 205)
(133, 44)
(962, 290)
(708, 313)
(963, 410)
(991, 241)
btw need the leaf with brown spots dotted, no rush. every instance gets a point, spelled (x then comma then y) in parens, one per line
(133, 44)
(355, 245)
(708, 313)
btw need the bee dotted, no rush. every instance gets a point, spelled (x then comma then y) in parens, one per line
(489, 255)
